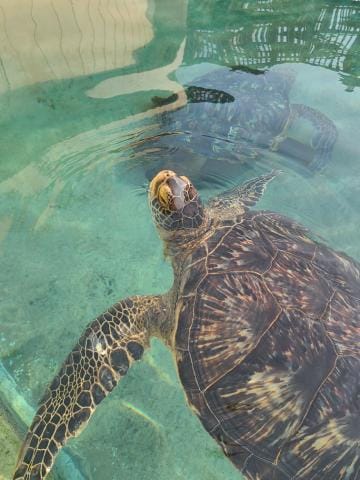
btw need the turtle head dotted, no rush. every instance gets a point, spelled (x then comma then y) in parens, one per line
(175, 203)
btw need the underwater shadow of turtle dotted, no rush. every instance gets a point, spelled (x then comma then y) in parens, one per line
(249, 108)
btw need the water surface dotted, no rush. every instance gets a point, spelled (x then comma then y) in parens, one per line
(75, 231)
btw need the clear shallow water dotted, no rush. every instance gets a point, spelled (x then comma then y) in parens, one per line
(75, 231)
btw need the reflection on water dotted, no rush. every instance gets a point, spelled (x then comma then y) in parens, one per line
(75, 232)
(274, 31)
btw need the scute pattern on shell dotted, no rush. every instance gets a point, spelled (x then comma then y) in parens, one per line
(268, 344)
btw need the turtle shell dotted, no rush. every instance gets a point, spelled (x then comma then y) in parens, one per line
(268, 349)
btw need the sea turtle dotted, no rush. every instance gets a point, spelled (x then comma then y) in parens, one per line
(236, 114)
(264, 324)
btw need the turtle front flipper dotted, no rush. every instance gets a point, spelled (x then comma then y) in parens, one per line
(235, 200)
(99, 360)
(325, 135)
(196, 94)
(211, 95)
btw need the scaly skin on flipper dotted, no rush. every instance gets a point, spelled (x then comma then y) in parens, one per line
(197, 95)
(234, 201)
(99, 360)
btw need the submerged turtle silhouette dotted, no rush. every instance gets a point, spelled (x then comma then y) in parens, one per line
(264, 324)
(233, 115)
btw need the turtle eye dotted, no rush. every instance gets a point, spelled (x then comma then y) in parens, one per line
(164, 195)
(158, 181)
(190, 193)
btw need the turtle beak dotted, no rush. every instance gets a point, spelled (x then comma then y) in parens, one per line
(169, 190)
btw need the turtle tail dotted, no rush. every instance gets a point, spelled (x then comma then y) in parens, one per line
(99, 360)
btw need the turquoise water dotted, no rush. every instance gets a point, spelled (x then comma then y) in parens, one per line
(75, 230)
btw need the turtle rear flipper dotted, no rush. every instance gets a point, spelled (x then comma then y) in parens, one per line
(325, 135)
(100, 359)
